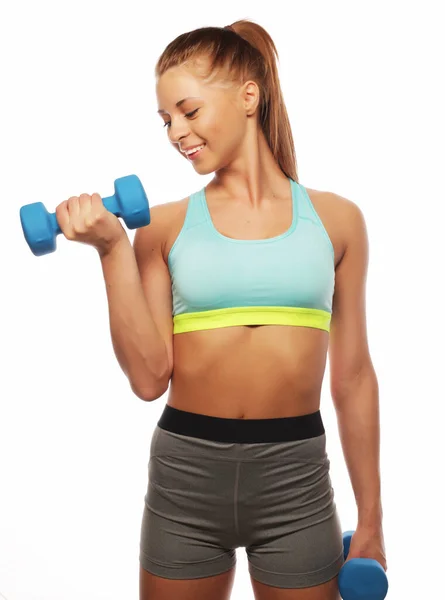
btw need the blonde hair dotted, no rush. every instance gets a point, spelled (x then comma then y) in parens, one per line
(240, 52)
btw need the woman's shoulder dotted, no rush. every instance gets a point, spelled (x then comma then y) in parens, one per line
(168, 218)
(164, 213)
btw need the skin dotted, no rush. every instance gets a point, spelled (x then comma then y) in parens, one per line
(227, 121)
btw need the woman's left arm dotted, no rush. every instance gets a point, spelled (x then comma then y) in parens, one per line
(354, 386)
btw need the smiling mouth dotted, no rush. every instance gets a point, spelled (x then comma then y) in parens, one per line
(195, 154)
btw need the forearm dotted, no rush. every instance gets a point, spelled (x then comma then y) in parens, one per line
(138, 345)
(358, 421)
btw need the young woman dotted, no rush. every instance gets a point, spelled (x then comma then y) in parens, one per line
(232, 298)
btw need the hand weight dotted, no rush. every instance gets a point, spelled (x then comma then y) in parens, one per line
(130, 202)
(361, 578)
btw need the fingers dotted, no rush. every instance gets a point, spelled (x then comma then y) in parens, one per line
(78, 214)
(87, 213)
(74, 205)
(63, 219)
(97, 206)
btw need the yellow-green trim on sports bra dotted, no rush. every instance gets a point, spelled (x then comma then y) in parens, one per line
(249, 315)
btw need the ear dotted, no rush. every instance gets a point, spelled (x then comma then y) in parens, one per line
(250, 95)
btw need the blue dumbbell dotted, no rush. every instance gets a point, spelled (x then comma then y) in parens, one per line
(129, 202)
(361, 578)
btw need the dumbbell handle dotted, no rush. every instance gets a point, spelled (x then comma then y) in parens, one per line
(110, 203)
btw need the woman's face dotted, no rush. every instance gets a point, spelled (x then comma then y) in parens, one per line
(210, 115)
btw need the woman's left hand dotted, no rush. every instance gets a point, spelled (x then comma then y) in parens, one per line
(368, 542)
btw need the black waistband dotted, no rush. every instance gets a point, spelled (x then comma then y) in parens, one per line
(249, 431)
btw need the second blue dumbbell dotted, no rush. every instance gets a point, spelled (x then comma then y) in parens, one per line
(130, 202)
(361, 578)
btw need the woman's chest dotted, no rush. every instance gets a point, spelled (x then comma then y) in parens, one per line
(250, 225)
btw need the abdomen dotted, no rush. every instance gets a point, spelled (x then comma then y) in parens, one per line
(268, 371)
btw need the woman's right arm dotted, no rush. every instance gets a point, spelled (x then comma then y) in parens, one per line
(138, 344)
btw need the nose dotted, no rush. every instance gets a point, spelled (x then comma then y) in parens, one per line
(178, 131)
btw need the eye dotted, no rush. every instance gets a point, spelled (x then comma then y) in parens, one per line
(190, 114)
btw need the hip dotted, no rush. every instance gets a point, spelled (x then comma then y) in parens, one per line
(215, 460)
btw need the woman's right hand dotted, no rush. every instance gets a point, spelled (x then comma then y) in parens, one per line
(85, 219)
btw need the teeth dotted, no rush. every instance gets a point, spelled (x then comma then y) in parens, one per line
(194, 149)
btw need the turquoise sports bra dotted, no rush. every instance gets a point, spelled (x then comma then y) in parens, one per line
(218, 281)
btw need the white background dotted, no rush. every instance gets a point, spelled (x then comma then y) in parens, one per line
(362, 84)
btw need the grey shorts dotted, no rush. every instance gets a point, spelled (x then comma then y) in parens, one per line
(216, 484)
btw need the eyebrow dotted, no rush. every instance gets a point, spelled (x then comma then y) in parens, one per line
(178, 104)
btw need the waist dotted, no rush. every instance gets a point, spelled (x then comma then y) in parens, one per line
(250, 431)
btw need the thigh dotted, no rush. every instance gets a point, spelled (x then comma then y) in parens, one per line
(301, 559)
(186, 534)
(218, 587)
(325, 591)
(290, 520)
